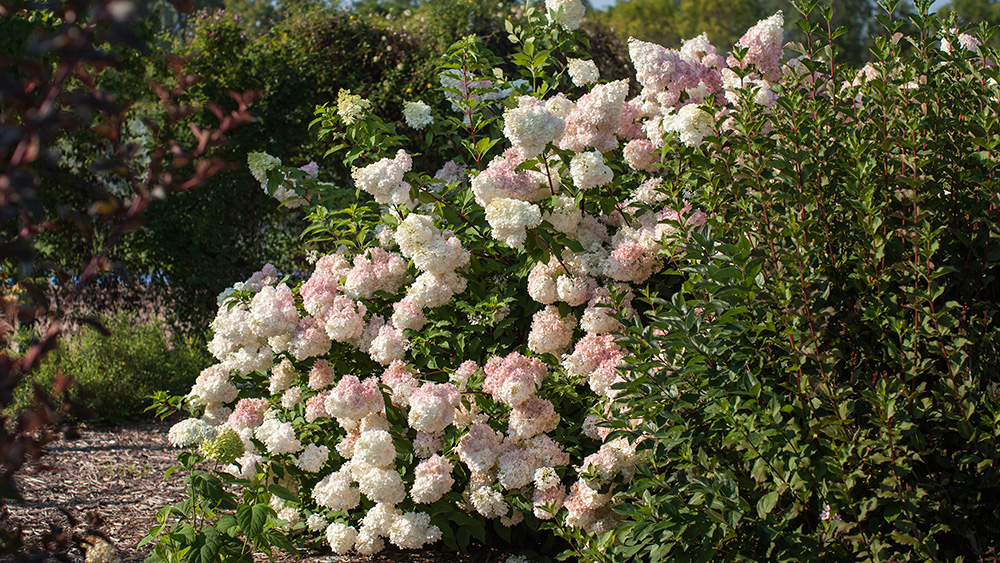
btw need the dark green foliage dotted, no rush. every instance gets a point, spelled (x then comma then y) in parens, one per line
(834, 347)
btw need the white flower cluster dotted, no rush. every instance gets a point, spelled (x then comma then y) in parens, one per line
(691, 123)
(384, 180)
(567, 13)
(589, 171)
(430, 250)
(190, 432)
(531, 126)
(313, 458)
(351, 107)
(583, 72)
(417, 114)
(511, 218)
(278, 437)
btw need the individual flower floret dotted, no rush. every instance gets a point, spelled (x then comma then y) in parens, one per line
(417, 114)
(350, 107)
(583, 72)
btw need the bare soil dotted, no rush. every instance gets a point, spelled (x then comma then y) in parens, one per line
(118, 474)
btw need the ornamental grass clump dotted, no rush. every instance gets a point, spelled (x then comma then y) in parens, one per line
(745, 313)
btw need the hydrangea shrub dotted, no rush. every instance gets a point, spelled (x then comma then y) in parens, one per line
(514, 337)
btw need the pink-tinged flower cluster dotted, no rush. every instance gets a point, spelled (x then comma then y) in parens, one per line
(321, 375)
(596, 358)
(588, 509)
(479, 449)
(320, 289)
(384, 180)
(615, 457)
(596, 119)
(549, 493)
(640, 154)
(426, 444)
(432, 480)
(598, 317)
(432, 406)
(531, 126)
(408, 314)
(532, 417)
(502, 179)
(401, 383)
(551, 333)
(352, 400)
(309, 340)
(316, 406)
(461, 375)
(345, 320)
(763, 42)
(267, 275)
(516, 468)
(248, 414)
(378, 271)
(514, 378)
(634, 259)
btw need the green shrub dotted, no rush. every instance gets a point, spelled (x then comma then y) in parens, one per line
(824, 384)
(115, 373)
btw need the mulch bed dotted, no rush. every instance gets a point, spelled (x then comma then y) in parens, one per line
(117, 473)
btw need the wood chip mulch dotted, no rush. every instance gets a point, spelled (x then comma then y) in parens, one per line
(118, 474)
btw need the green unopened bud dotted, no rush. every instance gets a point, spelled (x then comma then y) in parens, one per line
(225, 448)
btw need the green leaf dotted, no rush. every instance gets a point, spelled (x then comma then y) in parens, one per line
(252, 518)
(766, 503)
